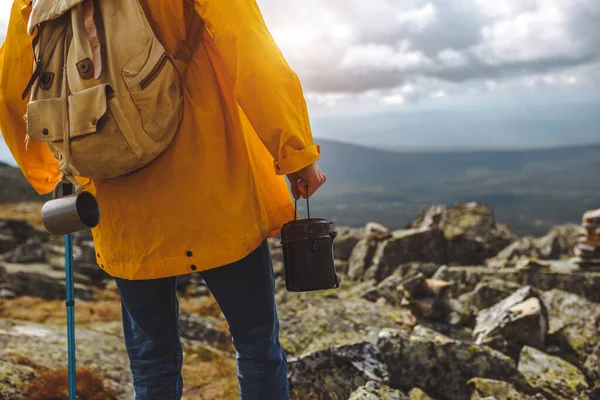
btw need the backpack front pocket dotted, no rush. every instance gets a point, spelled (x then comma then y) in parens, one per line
(156, 89)
(101, 144)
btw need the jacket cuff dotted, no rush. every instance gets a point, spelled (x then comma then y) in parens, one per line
(297, 160)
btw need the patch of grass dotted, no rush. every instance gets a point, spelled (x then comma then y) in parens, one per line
(54, 385)
(210, 377)
(35, 309)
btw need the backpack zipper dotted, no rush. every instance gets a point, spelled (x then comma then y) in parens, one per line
(155, 71)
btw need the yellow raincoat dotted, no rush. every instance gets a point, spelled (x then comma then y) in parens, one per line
(219, 190)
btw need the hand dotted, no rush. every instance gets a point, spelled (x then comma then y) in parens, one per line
(311, 176)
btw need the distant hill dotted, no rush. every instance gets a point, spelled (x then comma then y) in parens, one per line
(530, 190)
(13, 186)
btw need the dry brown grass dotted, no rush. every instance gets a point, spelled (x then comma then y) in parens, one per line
(30, 212)
(54, 385)
(34, 309)
(209, 377)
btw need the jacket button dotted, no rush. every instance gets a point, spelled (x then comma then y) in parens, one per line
(189, 253)
(45, 132)
(193, 267)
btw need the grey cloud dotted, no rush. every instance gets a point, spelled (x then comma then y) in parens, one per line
(458, 26)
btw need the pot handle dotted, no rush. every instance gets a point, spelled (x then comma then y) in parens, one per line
(313, 245)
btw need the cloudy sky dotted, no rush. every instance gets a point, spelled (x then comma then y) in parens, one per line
(386, 53)
(385, 60)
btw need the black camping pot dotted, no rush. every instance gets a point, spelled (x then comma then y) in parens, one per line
(308, 254)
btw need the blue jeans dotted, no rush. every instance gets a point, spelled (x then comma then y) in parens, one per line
(245, 293)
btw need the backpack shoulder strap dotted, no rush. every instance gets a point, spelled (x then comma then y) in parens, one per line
(194, 35)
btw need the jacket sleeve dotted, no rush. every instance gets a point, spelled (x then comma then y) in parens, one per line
(16, 63)
(265, 87)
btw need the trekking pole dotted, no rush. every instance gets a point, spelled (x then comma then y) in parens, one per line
(66, 213)
(70, 303)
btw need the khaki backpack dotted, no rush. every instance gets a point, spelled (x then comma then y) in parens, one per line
(105, 95)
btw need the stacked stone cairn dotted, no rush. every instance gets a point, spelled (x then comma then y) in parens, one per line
(588, 248)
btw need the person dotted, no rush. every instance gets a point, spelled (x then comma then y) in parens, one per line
(207, 204)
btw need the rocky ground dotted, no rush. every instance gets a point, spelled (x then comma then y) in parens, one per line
(453, 307)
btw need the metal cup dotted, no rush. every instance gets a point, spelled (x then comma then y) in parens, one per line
(72, 213)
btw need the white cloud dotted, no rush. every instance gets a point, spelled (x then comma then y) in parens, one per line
(418, 19)
(384, 57)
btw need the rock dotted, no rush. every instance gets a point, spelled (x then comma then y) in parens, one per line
(440, 365)
(373, 228)
(490, 388)
(387, 289)
(196, 327)
(307, 324)
(554, 376)
(7, 294)
(575, 320)
(524, 247)
(560, 241)
(31, 251)
(13, 377)
(441, 273)
(407, 246)
(426, 298)
(592, 364)
(46, 345)
(14, 232)
(418, 394)
(341, 267)
(336, 372)
(361, 258)
(410, 270)
(345, 241)
(520, 319)
(563, 276)
(489, 292)
(377, 391)
(40, 280)
(469, 222)
(464, 251)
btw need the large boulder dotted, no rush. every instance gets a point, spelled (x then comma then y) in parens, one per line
(489, 292)
(345, 241)
(560, 241)
(13, 232)
(554, 376)
(592, 364)
(518, 320)
(523, 248)
(361, 258)
(377, 391)
(490, 388)
(41, 280)
(335, 373)
(311, 321)
(32, 251)
(468, 222)
(438, 364)
(575, 321)
(407, 246)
